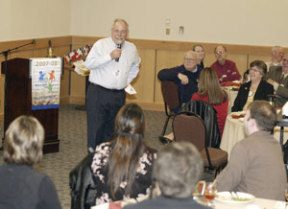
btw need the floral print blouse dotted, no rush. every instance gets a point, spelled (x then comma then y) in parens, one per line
(142, 182)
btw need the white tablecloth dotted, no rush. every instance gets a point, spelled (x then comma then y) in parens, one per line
(232, 94)
(234, 132)
(257, 204)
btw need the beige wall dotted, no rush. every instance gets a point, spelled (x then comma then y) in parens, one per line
(29, 19)
(249, 22)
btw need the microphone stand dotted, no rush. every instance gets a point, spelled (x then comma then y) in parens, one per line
(5, 53)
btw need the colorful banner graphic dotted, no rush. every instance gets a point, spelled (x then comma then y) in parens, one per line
(46, 75)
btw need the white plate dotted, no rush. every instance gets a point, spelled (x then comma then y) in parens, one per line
(235, 197)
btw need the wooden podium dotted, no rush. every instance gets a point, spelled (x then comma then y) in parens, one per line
(18, 101)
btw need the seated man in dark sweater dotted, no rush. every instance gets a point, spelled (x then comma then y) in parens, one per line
(185, 76)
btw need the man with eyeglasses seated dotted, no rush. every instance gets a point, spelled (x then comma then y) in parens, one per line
(226, 69)
(256, 163)
(279, 79)
(277, 54)
(184, 76)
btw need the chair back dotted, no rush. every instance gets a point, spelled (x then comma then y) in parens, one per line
(170, 96)
(209, 116)
(83, 189)
(189, 127)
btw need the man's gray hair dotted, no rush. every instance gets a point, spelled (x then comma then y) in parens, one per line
(177, 169)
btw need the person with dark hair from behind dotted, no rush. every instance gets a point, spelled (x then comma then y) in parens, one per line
(256, 89)
(123, 167)
(210, 91)
(177, 169)
(226, 69)
(20, 185)
(199, 49)
(256, 163)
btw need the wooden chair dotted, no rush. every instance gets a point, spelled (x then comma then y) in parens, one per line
(190, 127)
(171, 101)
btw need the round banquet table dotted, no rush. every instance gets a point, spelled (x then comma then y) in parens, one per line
(232, 94)
(234, 132)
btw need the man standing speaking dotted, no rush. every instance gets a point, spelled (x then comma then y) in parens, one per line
(113, 64)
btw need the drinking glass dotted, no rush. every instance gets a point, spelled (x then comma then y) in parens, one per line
(210, 193)
(286, 195)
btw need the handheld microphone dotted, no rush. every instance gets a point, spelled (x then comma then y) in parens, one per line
(119, 46)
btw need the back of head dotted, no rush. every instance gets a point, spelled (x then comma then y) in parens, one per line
(130, 121)
(209, 85)
(127, 146)
(264, 114)
(177, 169)
(24, 141)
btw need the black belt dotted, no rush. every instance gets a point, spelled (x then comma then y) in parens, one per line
(105, 89)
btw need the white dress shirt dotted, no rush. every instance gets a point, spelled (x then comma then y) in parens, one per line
(108, 73)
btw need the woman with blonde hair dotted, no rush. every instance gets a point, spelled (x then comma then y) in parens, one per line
(210, 91)
(20, 185)
(123, 167)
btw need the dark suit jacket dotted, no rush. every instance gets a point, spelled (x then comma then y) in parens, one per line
(262, 92)
(167, 203)
(282, 90)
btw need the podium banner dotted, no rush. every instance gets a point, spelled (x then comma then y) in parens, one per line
(45, 75)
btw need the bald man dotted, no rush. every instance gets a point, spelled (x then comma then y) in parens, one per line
(184, 76)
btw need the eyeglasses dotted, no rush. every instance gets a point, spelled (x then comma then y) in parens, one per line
(120, 31)
(255, 70)
(190, 60)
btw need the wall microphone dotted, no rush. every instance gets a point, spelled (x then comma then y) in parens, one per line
(119, 46)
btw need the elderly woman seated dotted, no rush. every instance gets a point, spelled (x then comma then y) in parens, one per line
(256, 89)
(123, 167)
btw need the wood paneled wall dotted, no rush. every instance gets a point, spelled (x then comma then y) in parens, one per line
(155, 56)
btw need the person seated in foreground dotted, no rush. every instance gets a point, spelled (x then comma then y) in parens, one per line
(279, 80)
(199, 49)
(184, 76)
(20, 185)
(226, 70)
(176, 171)
(210, 91)
(256, 163)
(256, 89)
(123, 167)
